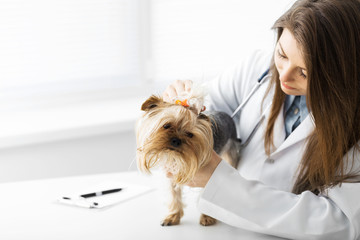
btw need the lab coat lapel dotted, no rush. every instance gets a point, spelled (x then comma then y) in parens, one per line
(279, 129)
(301, 132)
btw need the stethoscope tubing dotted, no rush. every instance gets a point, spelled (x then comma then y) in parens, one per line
(260, 81)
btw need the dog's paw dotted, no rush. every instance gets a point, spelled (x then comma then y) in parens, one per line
(206, 220)
(172, 219)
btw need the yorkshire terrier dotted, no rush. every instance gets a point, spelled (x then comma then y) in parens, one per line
(179, 137)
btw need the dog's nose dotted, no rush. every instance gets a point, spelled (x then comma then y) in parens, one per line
(175, 142)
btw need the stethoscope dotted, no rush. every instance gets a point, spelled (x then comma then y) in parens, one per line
(264, 77)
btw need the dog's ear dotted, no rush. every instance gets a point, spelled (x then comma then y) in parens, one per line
(204, 117)
(151, 102)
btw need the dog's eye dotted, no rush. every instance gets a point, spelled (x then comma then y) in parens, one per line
(167, 126)
(152, 106)
(189, 134)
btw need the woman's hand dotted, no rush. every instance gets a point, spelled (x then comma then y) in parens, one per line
(202, 177)
(176, 89)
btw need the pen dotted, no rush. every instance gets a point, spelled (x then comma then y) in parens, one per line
(95, 194)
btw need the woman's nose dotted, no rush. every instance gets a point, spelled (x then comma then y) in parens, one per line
(286, 74)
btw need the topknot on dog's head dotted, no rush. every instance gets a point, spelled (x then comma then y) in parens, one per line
(193, 99)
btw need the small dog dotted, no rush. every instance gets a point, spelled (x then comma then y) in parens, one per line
(179, 138)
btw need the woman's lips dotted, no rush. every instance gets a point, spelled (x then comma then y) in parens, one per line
(286, 86)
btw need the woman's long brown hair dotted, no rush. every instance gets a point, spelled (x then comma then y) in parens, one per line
(328, 32)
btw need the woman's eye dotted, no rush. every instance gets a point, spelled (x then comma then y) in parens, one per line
(280, 55)
(302, 74)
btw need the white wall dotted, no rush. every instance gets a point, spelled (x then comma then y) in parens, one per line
(74, 139)
(89, 155)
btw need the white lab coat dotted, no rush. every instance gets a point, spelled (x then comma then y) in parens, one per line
(257, 196)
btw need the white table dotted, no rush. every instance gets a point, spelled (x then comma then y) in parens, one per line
(29, 210)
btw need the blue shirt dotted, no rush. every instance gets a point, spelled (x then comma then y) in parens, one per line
(295, 111)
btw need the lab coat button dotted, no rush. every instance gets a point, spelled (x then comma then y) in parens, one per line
(270, 160)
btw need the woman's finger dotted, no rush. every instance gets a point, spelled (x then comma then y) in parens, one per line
(179, 87)
(169, 93)
(188, 85)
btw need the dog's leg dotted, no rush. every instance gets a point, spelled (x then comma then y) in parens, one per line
(175, 208)
(206, 220)
(231, 154)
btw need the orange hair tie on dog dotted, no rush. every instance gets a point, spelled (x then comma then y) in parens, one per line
(183, 103)
(186, 104)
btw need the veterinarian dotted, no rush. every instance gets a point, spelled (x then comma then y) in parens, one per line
(299, 175)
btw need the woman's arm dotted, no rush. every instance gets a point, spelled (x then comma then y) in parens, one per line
(203, 175)
(254, 206)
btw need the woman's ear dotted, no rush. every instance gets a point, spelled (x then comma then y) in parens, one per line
(151, 102)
